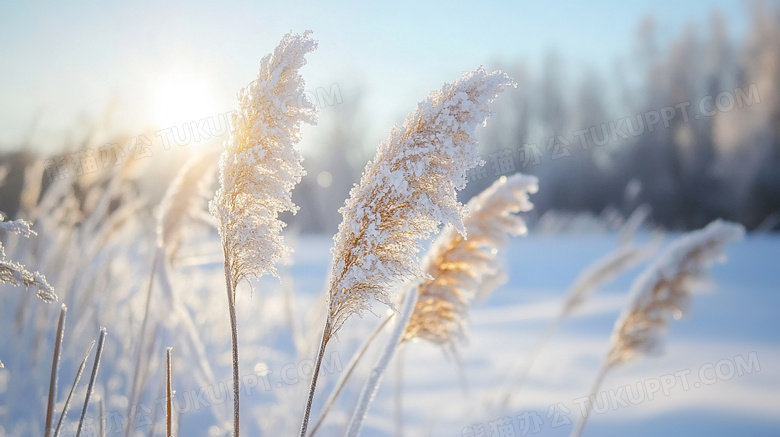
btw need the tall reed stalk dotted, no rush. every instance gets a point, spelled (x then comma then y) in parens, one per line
(139, 353)
(168, 394)
(347, 373)
(55, 366)
(403, 196)
(377, 372)
(459, 270)
(258, 170)
(92, 378)
(662, 291)
(73, 387)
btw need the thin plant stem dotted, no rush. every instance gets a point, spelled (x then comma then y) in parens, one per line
(55, 366)
(375, 377)
(92, 377)
(73, 390)
(168, 396)
(141, 337)
(345, 375)
(234, 336)
(313, 386)
(101, 422)
(589, 403)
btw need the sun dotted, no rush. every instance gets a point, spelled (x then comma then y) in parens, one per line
(180, 100)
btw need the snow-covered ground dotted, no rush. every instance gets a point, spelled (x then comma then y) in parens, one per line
(719, 374)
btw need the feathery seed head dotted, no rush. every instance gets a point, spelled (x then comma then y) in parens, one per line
(665, 288)
(182, 200)
(464, 269)
(406, 192)
(259, 167)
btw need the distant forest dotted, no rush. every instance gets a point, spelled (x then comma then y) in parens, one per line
(697, 135)
(688, 124)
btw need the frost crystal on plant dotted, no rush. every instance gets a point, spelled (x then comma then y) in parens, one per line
(16, 274)
(259, 166)
(406, 192)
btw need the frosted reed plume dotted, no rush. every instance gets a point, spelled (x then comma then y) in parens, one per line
(259, 167)
(16, 274)
(464, 268)
(182, 201)
(461, 269)
(258, 170)
(664, 289)
(404, 194)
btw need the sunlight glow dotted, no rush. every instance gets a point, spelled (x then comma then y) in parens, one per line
(181, 100)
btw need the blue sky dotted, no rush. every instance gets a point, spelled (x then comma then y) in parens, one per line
(64, 65)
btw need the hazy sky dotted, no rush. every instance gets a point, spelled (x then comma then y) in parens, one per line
(157, 63)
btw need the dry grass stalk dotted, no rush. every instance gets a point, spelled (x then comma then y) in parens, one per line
(73, 386)
(168, 395)
(371, 386)
(403, 196)
(464, 268)
(664, 289)
(134, 382)
(103, 419)
(258, 170)
(346, 374)
(55, 366)
(92, 378)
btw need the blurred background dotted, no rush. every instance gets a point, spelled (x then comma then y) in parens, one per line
(618, 104)
(634, 116)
